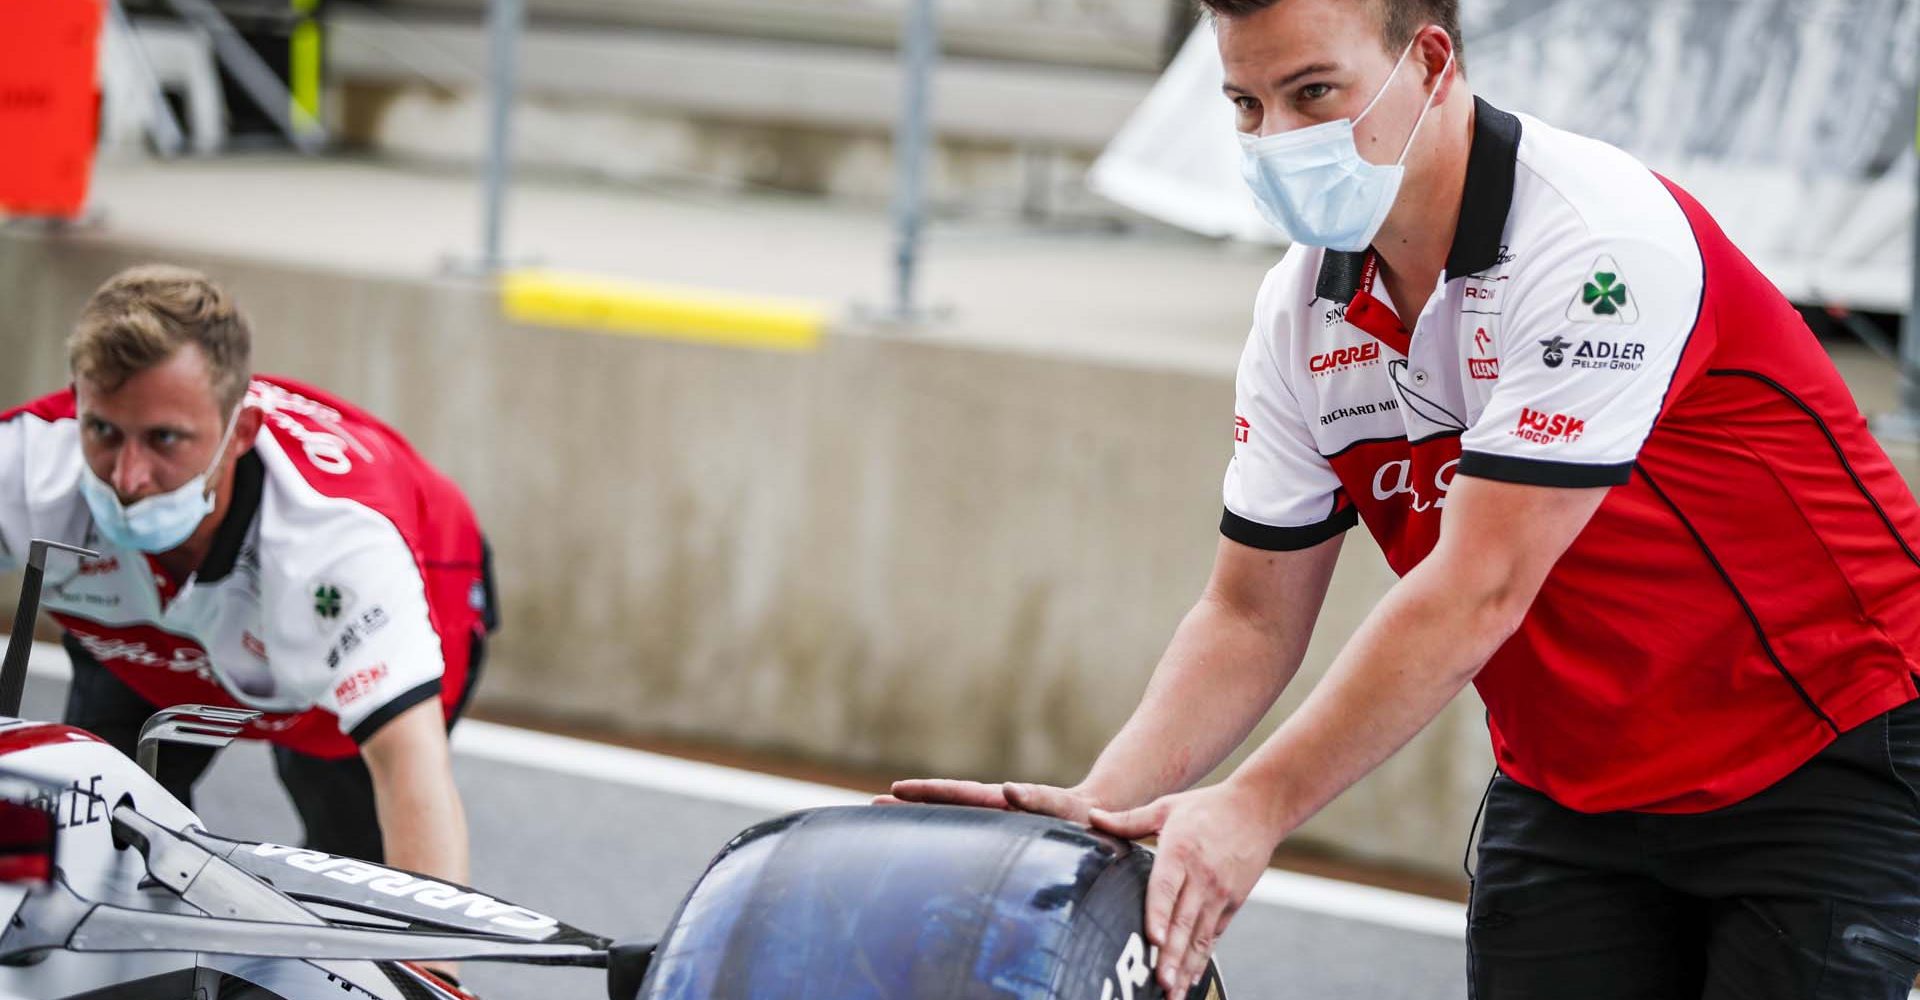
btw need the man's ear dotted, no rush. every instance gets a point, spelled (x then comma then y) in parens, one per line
(246, 427)
(1433, 46)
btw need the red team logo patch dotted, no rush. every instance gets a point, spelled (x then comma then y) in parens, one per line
(1344, 358)
(1241, 429)
(1548, 428)
(99, 567)
(1485, 369)
(359, 685)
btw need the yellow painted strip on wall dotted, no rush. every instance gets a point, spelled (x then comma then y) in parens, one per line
(618, 305)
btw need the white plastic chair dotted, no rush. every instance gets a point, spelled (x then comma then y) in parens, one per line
(180, 58)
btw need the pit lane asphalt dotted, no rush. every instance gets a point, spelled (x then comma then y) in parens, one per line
(616, 858)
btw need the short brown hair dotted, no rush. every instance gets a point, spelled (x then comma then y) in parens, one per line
(1400, 19)
(142, 316)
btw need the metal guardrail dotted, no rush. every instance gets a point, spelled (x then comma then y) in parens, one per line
(913, 138)
(1094, 34)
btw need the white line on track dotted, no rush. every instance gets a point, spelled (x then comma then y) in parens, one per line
(617, 765)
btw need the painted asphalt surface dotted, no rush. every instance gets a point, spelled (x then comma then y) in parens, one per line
(616, 858)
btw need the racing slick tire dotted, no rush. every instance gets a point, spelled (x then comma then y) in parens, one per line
(915, 903)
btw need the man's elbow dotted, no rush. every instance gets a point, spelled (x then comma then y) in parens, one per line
(1503, 609)
(1491, 597)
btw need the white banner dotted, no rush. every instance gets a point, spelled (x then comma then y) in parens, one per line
(1792, 120)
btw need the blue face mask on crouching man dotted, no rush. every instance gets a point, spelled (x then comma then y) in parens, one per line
(159, 523)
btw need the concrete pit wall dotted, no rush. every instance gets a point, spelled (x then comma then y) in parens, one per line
(890, 552)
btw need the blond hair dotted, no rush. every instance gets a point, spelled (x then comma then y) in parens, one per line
(142, 317)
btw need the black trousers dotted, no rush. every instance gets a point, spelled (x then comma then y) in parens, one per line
(333, 797)
(1754, 900)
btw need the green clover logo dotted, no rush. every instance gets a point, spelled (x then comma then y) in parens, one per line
(1605, 293)
(327, 601)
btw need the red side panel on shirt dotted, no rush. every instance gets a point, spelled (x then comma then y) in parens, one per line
(371, 464)
(1760, 565)
(51, 407)
(1399, 489)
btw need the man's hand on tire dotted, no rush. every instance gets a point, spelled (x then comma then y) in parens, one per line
(1070, 804)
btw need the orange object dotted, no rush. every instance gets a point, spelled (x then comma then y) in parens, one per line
(48, 104)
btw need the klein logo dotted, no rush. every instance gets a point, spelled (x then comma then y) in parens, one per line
(1484, 369)
(1346, 357)
(1541, 427)
(1241, 429)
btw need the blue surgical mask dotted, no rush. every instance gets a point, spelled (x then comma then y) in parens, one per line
(159, 523)
(1314, 186)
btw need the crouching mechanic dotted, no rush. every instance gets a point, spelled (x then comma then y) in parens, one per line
(1628, 497)
(263, 546)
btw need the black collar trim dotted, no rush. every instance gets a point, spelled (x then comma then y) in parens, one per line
(1340, 275)
(1488, 198)
(1484, 207)
(249, 479)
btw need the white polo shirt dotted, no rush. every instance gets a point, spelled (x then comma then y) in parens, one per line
(1594, 327)
(346, 584)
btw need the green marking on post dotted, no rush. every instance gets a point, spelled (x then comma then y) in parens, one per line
(303, 60)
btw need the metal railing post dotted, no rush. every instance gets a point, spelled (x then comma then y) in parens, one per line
(1910, 325)
(919, 52)
(505, 20)
(1903, 425)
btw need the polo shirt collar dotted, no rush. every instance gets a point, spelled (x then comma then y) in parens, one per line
(1484, 206)
(249, 482)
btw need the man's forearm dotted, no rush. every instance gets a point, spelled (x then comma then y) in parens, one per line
(1424, 642)
(1220, 674)
(422, 825)
(424, 830)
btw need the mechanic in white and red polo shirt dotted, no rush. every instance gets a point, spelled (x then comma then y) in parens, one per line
(1629, 498)
(262, 546)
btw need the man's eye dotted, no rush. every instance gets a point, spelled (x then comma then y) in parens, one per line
(164, 439)
(1315, 91)
(1247, 105)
